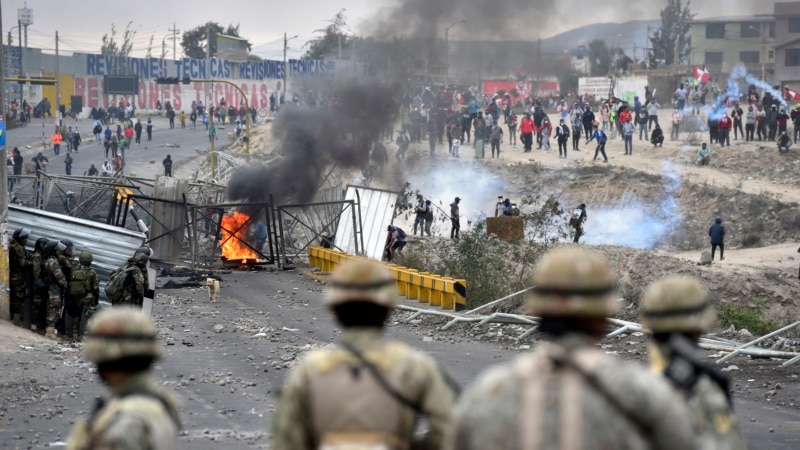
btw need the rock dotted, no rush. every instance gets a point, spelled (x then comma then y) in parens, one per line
(705, 258)
(744, 334)
(427, 339)
(778, 386)
(218, 328)
(770, 394)
(730, 368)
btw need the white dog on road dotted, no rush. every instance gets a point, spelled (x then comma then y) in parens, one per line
(213, 289)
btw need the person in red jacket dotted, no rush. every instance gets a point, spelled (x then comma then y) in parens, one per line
(526, 129)
(725, 125)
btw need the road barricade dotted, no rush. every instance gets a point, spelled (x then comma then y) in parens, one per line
(435, 290)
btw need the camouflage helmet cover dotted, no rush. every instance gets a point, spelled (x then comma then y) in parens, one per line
(677, 304)
(361, 280)
(573, 282)
(120, 332)
(85, 257)
(140, 259)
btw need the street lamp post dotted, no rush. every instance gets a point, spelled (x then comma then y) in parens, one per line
(447, 50)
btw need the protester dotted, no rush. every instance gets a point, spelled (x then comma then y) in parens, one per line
(717, 234)
(704, 155)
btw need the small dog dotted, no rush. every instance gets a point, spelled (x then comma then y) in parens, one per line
(213, 289)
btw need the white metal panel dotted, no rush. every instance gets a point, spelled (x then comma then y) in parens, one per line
(377, 212)
(110, 246)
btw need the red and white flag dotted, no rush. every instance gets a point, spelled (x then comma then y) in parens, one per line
(701, 75)
(791, 95)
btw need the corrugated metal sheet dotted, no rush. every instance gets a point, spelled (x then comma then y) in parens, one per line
(377, 211)
(111, 246)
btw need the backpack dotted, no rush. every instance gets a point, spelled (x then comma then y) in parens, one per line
(117, 282)
(575, 220)
(80, 283)
(401, 235)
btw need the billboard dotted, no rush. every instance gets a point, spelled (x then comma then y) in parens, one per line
(121, 84)
(232, 48)
(596, 86)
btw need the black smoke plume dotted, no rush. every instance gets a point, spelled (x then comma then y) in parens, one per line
(311, 140)
(526, 19)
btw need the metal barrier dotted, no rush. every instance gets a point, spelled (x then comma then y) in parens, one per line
(618, 326)
(443, 292)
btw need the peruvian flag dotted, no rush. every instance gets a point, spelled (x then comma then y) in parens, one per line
(791, 95)
(701, 75)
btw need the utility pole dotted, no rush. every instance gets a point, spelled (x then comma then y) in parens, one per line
(5, 305)
(286, 69)
(175, 32)
(58, 86)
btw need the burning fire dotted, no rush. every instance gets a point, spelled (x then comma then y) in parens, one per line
(233, 235)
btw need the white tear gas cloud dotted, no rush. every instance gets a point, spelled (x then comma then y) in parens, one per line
(633, 223)
(468, 180)
(735, 88)
(311, 140)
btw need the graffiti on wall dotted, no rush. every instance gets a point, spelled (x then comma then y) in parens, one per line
(180, 96)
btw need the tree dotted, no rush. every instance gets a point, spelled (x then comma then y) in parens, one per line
(331, 40)
(149, 53)
(111, 47)
(600, 58)
(673, 35)
(194, 41)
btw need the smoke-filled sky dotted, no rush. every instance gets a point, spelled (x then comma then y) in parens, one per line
(528, 19)
(265, 21)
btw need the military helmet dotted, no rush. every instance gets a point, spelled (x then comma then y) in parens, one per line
(67, 242)
(140, 259)
(120, 332)
(361, 280)
(677, 304)
(21, 233)
(573, 282)
(55, 246)
(145, 250)
(85, 257)
(69, 250)
(41, 243)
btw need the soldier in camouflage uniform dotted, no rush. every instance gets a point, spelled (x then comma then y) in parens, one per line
(135, 283)
(140, 415)
(84, 291)
(367, 392)
(569, 394)
(39, 288)
(677, 311)
(19, 272)
(56, 284)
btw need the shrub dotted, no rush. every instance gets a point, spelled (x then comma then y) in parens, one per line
(748, 317)
(492, 268)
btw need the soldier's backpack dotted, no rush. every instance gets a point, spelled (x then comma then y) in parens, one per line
(80, 284)
(117, 282)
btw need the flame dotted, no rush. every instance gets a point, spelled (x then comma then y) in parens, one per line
(233, 232)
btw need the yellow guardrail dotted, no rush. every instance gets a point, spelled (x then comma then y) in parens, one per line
(444, 292)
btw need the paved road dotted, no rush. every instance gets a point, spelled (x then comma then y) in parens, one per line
(191, 143)
(228, 379)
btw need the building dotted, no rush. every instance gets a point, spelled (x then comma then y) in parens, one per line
(722, 43)
(787, 44)
(579, 59)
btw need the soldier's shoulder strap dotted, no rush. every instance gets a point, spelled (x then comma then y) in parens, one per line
(402, 399)
(585, 365)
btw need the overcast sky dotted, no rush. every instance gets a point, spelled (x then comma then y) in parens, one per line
(82, 23)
